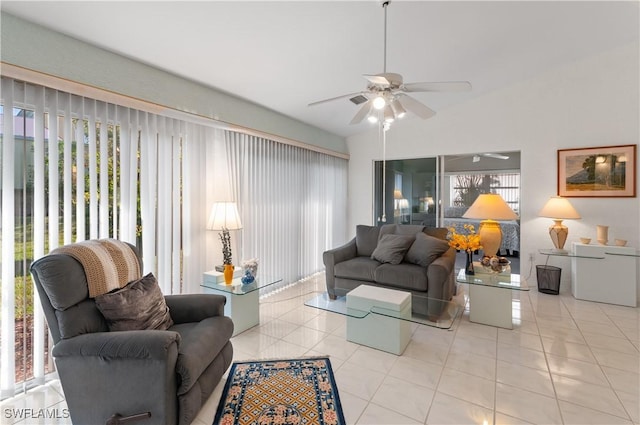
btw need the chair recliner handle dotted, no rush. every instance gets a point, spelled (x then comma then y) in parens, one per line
(118, 419)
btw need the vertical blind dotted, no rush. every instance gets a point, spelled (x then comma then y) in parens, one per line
(292, 201)
(75, 168)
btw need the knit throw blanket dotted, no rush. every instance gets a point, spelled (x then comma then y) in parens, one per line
(108, 263)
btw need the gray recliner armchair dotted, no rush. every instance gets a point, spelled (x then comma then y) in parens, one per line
(160, 376)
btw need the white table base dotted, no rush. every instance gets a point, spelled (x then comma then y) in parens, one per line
(490, 306)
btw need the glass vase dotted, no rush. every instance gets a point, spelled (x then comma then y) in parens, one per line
(228, 273)
(469, 266)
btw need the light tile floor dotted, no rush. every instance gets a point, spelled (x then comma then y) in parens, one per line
(565, 362)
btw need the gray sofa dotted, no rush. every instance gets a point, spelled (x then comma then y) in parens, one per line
(411, 258)
(105, 375)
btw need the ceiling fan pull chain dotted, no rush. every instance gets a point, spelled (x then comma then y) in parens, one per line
(382, 135)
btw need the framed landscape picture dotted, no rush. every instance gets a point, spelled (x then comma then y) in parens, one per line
(608, 171)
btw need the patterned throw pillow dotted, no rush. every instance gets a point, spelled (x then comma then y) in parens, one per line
(139, 305)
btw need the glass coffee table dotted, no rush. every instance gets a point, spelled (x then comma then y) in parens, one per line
(448, 310)
(243, 304)
(490, 297)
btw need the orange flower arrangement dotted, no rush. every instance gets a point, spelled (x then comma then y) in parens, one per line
(468, 242)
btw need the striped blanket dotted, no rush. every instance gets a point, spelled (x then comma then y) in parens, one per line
(108, 263)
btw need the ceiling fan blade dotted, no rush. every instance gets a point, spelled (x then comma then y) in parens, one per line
(344, 96)
(412, 105)
(362, 112)
(378, 80)
(495, 155)
(449, 86)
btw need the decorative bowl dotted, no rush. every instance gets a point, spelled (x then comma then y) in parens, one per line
(495, 264)
(621, 242)
(585, 241)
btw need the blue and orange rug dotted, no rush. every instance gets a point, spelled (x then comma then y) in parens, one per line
(284, 392)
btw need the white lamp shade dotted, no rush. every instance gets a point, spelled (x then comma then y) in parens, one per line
(224, 215)
(490, 206)
(559, 207)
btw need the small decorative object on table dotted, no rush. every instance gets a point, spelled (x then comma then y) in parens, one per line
(495, 264)
(247, 278)
(467, 243)
(250, 270)
(251, 266)
(602, 233)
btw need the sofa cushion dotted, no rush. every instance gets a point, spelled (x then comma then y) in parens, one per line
(358, 268)
(400, 229)
(425, 249)
(139, 305)
(366, 239)
(392, 248)
(403, 276)
(437, 232)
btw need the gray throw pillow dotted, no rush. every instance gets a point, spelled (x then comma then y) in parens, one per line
(391, 248)
(425, 249)
(366, 239)
(138, 306)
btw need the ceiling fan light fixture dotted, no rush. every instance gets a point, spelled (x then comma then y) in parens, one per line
(379, 102)
(398, 110)
(372, 118)
(389, 116)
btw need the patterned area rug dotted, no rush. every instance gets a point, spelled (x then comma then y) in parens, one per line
(283, 392)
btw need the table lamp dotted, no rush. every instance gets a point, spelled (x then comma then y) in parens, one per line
(490, 207)
(224, 216)
(558, 209)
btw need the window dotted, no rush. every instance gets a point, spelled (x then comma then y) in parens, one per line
(465, 188)
(74, 168)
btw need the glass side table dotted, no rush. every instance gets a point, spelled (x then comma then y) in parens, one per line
(242, 306)
(490, 297)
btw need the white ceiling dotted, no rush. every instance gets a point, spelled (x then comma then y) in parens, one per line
(284, 55)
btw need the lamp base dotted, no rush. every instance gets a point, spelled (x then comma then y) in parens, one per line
(490, 237)
(558, 233)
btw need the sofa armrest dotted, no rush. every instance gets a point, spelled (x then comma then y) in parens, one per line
(188, 308)
(440, 275)
(340, 254)
(145, 344)
(333, 257)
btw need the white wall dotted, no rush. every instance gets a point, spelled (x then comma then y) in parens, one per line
(34, 47)
(593, 102)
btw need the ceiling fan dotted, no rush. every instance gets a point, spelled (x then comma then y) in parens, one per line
(476, 157)
(386, 93)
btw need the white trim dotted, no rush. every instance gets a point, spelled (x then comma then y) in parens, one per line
(80, 89)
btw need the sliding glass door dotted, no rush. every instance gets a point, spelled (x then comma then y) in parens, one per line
(406, 191)
(438, 191)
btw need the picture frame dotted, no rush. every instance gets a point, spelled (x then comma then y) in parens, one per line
(598, 172)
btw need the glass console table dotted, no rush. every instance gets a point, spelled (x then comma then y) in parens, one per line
(242, 306)
(602, 273)
(490, 297)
